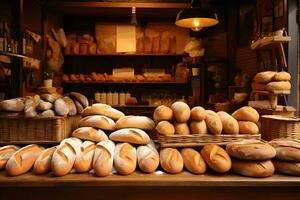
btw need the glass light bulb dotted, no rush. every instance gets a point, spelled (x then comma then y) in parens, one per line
(196, 22)
(196, 28)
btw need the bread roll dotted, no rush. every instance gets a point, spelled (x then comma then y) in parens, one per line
(171, 160)
(81, 98)
(5, 153)
(257, 169)
(282, 76)
(147, 158)
(23, 159)
(42, 164)
(103, 158)
(79, 107)
(285, 167)
(286, 149)
(162, 113)
(258, 86)
(198, 127)
(125, 158)
(248, 128)
(165, 128)
(213, 122)
(251, 150)
(48, 98)
(43, 105)
(181, 111)
(30, 107)
(246, 113)
(264, 77)
(181, 129)
(71, 105)
(193, 161)
(130, 135)
(48, 113)
(98, 121)
(84, 160)
(61, 108)
(279, 85)
(13, 105)
(89, 133)
(198, 113)
(140, 122)
(103, 109)
(230, 125)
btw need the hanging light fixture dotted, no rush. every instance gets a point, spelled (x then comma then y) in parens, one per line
(196, 18)
(133, 16)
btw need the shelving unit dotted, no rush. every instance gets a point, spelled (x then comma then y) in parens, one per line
(124, 54)
(127, 83)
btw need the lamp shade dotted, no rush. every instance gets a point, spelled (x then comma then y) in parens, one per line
(196, 18)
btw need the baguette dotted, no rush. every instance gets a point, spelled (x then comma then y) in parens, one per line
(285, 167)
(61, 108)
(165, 128)
(103, 109)
(230, 125)
(264, 77)
(84, 160)
(181, 129)
(162, 113)
(198, 127)
(246, 113)
(81, 98)
(140, 122)
(79, 107)
(103, 158)
(125, 158)
(147, 158)
(213, 122)
(287, 149)
(42, 164)
(171, 160)
(282, 76)
(89, 133)
(248, 128)
(181, 111)
(71, 105)
(257, 169)
(198, 113)
(130, 135)
(98, 121)
(12, 105)
(5, 153)
(193, 161)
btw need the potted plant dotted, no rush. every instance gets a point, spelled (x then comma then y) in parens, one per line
(48, 76)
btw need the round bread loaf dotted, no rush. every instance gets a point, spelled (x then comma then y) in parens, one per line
(198, 127)
(250, 150)
(216, 158)
(246, 113)
(258, 86)
(130, 121)
(230, 125)
(130, 135)
(171, 160)
(279, 85)
(285, 167)
(213, 122)
(181, 129)
(193, 161)
(98, 121)
(287, 149)
(162, 113)
(181, 111)
(61, 108)
(248, 128)
(282, 76)
(257, 169)
(148, 158)
(264, 77)
(103, 109)
(198, 113)
(165, 128)
(89, 133)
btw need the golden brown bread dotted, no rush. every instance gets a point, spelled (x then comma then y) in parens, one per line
(89, 133)
(258, 86)
(198, 127)
(71, 105)
(181, 129)
(103, 109)
(287, 149)
(198, 113)
(84, 160)
(279, 85)
(5, 153)
(282, 76)
(140, 122)
(130, 135)
(230, 125)
(103, 158)
(181, 111)
(42, 164)
(14, 105)
(162, 113)
(264, 77)
(148, 158)
(286, 167)
(257, 169)
(81, 98)
(248, 128)
(98, 121)
(193, 161)
(171, 160)
(165, 128)
(246, 113)
(125, 158)
(213, 122)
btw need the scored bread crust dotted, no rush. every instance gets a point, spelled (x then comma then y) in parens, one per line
(89, 133)
(103, 158)
(213, 122)
(287, 149)
(98, 121)
(42, 164)
(230, 124)
(148, 158)
(140, 122)
(130, 135)
(165, 128)
(125, 158)
(103, 109)
(83, 161)
(285, 167)
(253, 168)
(193, 161)
(5, 153)
(171, 160)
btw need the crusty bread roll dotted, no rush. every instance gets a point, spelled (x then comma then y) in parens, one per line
(181, 111)
(285, 167)
(48, 113)
(213, 122)
(103, 158)
(49, 98)
(30, 106)
(216, 158)
(253, 168)
(279, 85)
(171, 160)
(198, 127)
(81, 98)
(130, 135)
(250, 150)
(258, 86)
(89, 133)
(71, 105)
(61, 108)
(84, 160)
(14, 105)
(193, 161)
(282, 76)
(103, 109)
(246, 113)
(43, 105)
(147, 158)
(162, 113)
(230, 125)
(248, 128)
(79, 107)
(125, 158)
(165, 128)
(42, 164)
(23, 159)
(264, 77)
(198, 113)
(98, 121)
(5, 153)
(131, 121)
(181, 129)
(286, 149)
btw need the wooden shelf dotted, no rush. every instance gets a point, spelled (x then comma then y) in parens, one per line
(274, 92)
(129, 83)
(15, 55)
(124, 54)
(269, 42)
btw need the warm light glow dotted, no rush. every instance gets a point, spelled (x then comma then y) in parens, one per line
(196, 23)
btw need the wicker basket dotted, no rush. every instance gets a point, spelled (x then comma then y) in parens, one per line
(39, 130)
(276, 126)
(200, 140)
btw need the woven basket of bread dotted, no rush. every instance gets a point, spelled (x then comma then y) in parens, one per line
(276, 126)
(38, 130)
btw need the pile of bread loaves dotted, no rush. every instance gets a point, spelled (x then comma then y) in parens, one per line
(46, 105)
(181, 120)
(271, 80)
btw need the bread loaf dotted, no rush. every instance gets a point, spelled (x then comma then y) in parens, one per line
(248, 128)
(282, 76)
(5, 153)
(198, 127)
(257, 169)
(22, 160)
(198, 113)
(89, 133)
(285, 167)
(30, 107)
(216, 158)
(258, 86)
(98, 121)
(181, 112)
(278, 85)
(71, 105)
(13, 105)
(61, 108)
(48, 113)
(147, 158)
(246, 113)
(140, 122)
(230, 125)
(286, 149)
(171, 160)
(42, 164)
(81, 98)
(43, 105)
(264, 77)
(165, 128)
(84, 160)
(251, 150)
(193, 161)
(103, 109)
(162, 113)
(103, 158)
(130, 135)
(181, 129)
(49, 97)
(213, 122)
(125, 158)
